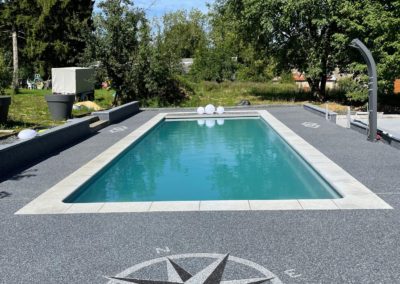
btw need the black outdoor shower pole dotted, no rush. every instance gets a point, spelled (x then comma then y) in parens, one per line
(372, 88)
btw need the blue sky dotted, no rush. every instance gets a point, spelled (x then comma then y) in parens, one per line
(160, 7)
(156, 8)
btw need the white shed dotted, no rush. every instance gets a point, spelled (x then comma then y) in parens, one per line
(72, 80)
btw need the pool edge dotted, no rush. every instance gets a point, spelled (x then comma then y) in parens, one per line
(355, 194)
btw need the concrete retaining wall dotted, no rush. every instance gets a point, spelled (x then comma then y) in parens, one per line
(24, 152)
(386, 138)
(321, 112)
(119, 113)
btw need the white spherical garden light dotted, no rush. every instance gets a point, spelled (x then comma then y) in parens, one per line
(220, 110)
(27, 134)
(210, 109)
(200, 110)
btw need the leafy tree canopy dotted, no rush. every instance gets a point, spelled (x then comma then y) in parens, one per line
(130, 58)
(49, 31)
(184, 32)
(313, 36)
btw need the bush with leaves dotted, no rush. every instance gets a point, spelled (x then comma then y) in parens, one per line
(213, 64)
(355, 91)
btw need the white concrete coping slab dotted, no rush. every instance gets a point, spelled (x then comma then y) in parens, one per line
(225, 205)
(354, 194)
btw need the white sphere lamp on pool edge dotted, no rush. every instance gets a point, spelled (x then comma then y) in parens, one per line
(27, 134)
(200, 110)
(210, 109)
(220, 110)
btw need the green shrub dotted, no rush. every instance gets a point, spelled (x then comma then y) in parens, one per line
(257, 71)
(354, 91)
(185, 84)
(213, 64)
(280, 91)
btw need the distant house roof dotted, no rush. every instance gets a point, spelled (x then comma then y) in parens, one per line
(397, 86)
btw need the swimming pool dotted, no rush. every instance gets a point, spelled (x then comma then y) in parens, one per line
(218, 171)
(206, 159)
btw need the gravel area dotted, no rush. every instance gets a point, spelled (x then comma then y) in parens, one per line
(8, 140)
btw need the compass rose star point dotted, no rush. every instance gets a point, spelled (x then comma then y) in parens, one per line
(211, 274)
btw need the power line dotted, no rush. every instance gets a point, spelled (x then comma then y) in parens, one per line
(151, 5)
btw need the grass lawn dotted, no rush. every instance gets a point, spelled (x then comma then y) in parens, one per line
(231, 93)
(29, 109)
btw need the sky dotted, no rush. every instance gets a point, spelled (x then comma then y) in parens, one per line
(159, 7)
(156, 8)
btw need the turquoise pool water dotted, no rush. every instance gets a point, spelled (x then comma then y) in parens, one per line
(231, 159)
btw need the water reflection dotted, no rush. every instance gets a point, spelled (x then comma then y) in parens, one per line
(201, 122)
(210, 122)
(239, 159)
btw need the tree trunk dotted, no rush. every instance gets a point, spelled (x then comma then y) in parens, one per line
(315, 89)
(323, 86)
(15, 80)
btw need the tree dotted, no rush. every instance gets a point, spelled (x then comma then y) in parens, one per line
(116, 44)
(250, 65)
(162, 80)
(4, 75)
(213, 63)
(183, 33)
(130, 58)
(15, 17)
(215, 59)
(299, 34)
(313, 36)
(56, 39)
(377, 24)
(43, 33)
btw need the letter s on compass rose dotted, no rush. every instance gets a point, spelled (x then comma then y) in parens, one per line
(211, 274)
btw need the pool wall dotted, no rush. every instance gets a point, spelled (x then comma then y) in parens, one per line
(355, 195)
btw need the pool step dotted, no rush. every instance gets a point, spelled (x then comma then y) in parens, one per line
(98, 124)
(93, 118)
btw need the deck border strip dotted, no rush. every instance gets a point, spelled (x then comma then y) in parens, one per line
(355, 194)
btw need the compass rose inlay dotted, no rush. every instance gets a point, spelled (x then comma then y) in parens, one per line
(211, 274)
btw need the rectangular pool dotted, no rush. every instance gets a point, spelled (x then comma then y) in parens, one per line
(206, 159)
